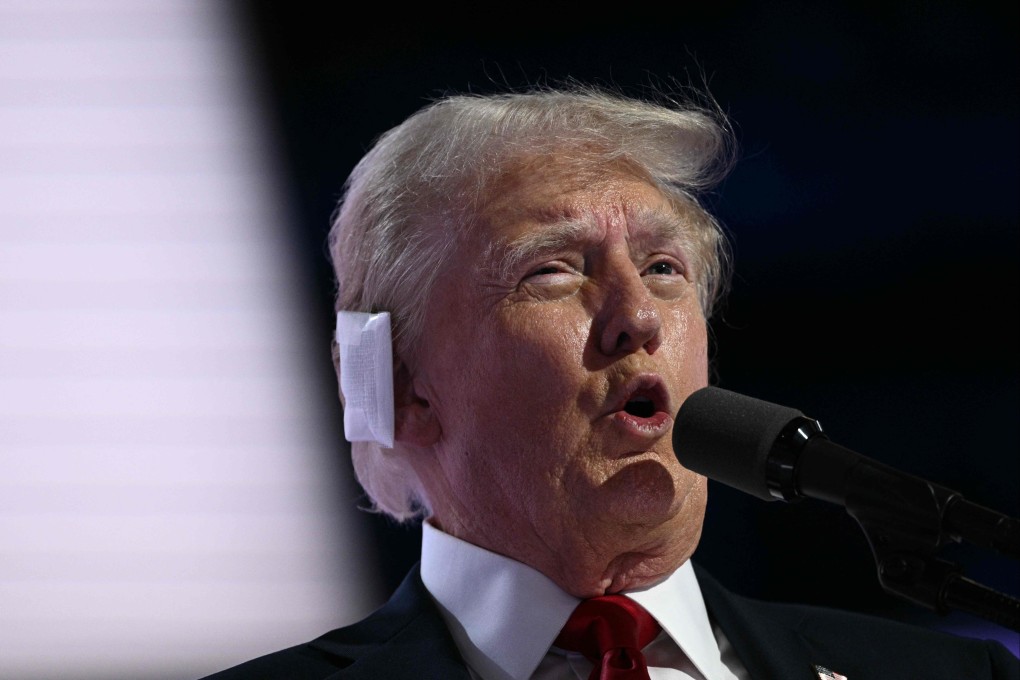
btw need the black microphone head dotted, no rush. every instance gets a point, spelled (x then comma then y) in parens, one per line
(727, 437)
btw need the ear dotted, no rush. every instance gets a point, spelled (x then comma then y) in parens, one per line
(416, 422)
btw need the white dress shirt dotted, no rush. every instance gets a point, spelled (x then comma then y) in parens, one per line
(505, 615)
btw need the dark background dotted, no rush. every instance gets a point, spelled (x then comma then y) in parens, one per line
(873, 213)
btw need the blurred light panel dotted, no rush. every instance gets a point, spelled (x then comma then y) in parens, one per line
(165, 509)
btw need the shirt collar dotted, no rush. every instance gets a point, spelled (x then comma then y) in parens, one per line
(506, 620)
(503, 614)
(676, 603)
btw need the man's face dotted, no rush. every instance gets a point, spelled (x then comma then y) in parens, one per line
(561, 339)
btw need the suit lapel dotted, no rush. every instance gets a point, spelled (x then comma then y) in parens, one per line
(767, 647)
(405, 639)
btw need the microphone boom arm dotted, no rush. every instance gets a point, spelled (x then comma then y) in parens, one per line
(774, 452)
(904, 518)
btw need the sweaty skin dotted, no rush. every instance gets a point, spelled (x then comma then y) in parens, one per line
(568, 298)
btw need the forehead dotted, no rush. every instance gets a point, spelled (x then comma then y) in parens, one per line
(574, 203)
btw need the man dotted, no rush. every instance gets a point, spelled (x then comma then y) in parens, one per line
(548, 271)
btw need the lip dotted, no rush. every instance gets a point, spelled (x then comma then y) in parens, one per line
(653, 427)
(648, 385)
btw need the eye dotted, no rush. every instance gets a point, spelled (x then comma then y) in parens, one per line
(662, 268)
(552, 280)
(665, 267)
(542, 271)
(553, 271)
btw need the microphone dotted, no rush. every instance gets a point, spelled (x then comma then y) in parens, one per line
(775, 452)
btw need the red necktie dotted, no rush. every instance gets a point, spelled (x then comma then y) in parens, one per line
(610, 631)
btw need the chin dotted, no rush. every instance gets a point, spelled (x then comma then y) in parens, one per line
(644, 493)
(635, 570)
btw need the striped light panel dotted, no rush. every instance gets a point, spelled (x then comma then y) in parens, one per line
(167, 472)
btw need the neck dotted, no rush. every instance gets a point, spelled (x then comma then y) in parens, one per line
(589, 565)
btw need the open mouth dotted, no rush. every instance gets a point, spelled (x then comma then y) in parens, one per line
(640, 406)
(644, 397)
(643, 409)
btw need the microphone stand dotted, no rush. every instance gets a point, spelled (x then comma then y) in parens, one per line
(905, 519)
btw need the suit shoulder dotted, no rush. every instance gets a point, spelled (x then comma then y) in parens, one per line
(318, 658)
(405, 638)
(859, 645)
(821, 620)
(895, 642)
(301, 662)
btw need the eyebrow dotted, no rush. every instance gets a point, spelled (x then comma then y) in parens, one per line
(649, 226)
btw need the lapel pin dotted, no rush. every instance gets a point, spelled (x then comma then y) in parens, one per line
(826, 674)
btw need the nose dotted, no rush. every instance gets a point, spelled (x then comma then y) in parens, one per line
(629, 319)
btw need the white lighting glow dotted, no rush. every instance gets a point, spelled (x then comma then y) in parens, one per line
(166, 502)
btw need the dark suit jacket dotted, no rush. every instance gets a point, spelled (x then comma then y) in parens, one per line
(407, 639)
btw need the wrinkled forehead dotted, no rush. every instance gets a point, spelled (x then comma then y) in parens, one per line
(543, 206)
(548, 181)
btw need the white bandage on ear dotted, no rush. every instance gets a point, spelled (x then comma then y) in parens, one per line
(366, 376)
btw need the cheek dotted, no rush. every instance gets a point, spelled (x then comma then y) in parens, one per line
(537, 369)
(542, 348)
(686, 345)
(516, 370)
